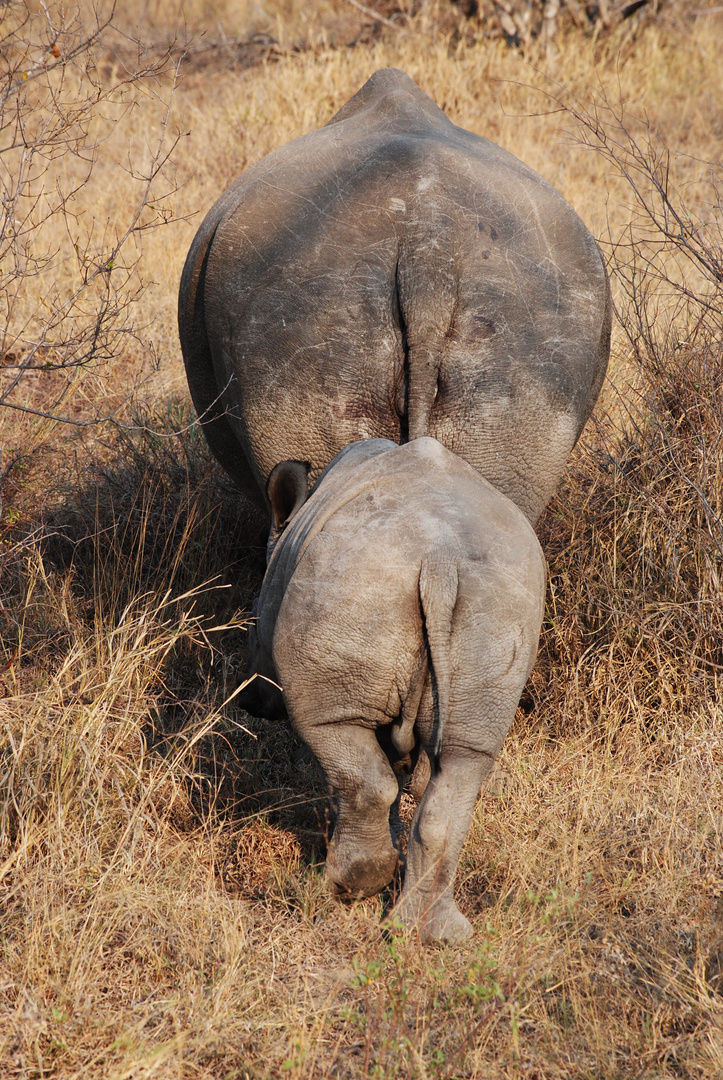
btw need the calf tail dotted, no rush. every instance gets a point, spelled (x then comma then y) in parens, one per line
(438, 584)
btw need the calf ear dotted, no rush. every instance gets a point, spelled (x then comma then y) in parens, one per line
(287, 488)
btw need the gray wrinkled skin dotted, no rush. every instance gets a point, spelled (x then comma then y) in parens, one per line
(392, 275)
(401, 612)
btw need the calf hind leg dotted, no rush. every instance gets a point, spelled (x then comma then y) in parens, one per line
(362, 856)
(438, 832)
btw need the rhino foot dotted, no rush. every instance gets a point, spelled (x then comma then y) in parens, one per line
(450, 926)
(438, 920)
(354, 875)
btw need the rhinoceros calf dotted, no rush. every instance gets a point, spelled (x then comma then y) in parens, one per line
(400, 610)
(392, 275)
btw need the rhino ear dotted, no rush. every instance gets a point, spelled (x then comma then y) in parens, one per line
(287, 488)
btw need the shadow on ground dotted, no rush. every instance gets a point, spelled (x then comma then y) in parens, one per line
(151, 514)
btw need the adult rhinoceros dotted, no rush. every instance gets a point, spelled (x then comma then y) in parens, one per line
(392, 275)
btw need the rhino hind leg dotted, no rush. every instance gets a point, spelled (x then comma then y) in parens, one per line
(363, 855)
(437, 834)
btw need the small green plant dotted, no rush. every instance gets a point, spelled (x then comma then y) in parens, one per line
(482, 985)
(385, 982)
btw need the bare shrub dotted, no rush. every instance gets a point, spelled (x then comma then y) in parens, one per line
(635, 535)
(524, 24)
(70, 277)
(522, 21)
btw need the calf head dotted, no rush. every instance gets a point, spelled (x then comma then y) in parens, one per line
(287, 489)
(261, 696)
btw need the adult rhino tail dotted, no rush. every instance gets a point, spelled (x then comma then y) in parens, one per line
(438, 584)
(423, 375)
(426, 301)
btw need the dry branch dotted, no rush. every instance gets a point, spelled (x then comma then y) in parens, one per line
(69, 284)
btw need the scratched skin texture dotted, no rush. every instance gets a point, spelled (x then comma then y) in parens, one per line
(404, 579)
(392, 275)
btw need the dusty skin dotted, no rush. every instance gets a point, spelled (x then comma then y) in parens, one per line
(393, 275)
(401, 609)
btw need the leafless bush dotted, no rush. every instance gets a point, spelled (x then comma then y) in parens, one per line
(521, 21)
(69, 278)
(635, 536)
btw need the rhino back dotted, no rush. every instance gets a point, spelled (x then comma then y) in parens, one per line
(349, 634)
(392, 275)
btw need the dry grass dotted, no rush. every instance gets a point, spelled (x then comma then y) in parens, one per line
(162, 904)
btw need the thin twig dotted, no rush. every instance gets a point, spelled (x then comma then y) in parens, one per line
(375, 15)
